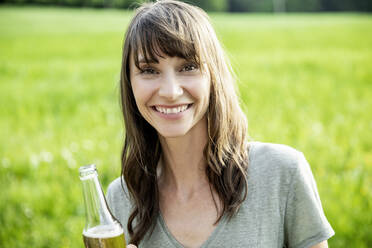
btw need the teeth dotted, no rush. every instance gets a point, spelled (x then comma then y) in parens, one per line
(171, 110)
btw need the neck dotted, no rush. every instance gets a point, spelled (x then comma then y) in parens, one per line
(183, 163)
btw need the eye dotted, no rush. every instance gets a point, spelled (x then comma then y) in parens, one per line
(148, 71)
(190, 67)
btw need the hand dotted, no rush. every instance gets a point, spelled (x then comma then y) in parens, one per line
(131, 246)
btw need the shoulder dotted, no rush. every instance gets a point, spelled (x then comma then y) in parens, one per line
(118, 200)
(119, 203)
(117, 193)
(273, 164)
(276, 155)
(115, 186)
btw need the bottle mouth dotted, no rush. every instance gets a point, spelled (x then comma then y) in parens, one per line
(87, 171)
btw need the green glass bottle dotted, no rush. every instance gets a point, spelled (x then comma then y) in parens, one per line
(101, 229)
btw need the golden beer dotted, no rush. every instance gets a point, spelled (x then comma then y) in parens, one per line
(103, 237)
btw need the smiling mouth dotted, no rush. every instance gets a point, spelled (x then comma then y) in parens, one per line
(172, 110)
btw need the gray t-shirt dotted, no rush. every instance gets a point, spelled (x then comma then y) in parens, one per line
(282, 208)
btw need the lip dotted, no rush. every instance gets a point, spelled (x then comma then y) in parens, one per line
(172, 116)
(171, 106)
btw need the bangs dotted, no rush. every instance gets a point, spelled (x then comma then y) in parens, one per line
(153, 38)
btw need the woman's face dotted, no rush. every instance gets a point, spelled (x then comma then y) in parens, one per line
(172, 95)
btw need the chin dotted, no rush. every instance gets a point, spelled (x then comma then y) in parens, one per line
(169, 133)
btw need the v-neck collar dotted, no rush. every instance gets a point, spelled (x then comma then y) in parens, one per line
(177, 244)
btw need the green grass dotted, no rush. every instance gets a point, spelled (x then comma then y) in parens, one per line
(305, 81)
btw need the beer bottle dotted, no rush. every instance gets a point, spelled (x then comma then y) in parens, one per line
(101, 229)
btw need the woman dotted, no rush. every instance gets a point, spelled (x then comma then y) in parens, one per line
(189, 177)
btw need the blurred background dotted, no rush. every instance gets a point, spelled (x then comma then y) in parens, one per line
(222, 5)
(305, 80)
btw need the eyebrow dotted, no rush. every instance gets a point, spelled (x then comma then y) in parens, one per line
(143, 61)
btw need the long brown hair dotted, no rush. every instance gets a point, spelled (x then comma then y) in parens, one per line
(179, 29)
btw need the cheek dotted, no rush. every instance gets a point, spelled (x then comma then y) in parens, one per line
(141, 93)
(206, 94)
(141, 99)
(136, 92)
(201, 89)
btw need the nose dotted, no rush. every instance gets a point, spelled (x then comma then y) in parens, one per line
(170, 87)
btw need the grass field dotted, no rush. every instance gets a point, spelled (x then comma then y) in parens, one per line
(305, 81)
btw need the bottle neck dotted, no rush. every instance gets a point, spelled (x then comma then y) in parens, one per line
(96, 210)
